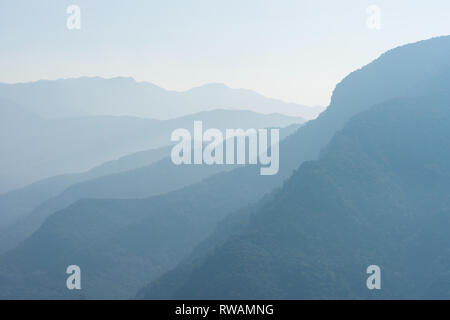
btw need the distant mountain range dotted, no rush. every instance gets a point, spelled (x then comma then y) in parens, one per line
(367, 182)
(16, 204)
(374, 195)
(34, 148)
(190, 209)
(138, 175)
(126, 97)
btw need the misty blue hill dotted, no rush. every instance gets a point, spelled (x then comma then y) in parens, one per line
(427, 72)
(34, 148)
(172, 223)
(161, 177)
(16, 204)
(379, 194)
(134, 176)
(124, 96)
(118, 253)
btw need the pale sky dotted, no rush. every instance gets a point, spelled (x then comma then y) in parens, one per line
(293, 50)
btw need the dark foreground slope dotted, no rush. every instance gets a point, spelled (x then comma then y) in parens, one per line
(379, 194)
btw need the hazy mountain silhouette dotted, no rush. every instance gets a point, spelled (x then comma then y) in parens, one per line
(119, 253)
(171, 224)
(16, 204)
(124, 96)
(34, 148)
(379, 194)
(134, 176)
(161, 177)
(411, 70)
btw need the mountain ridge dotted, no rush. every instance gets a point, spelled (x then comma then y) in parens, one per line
(314, 237)
(354, 95)
(125, 96)
(36, 148)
